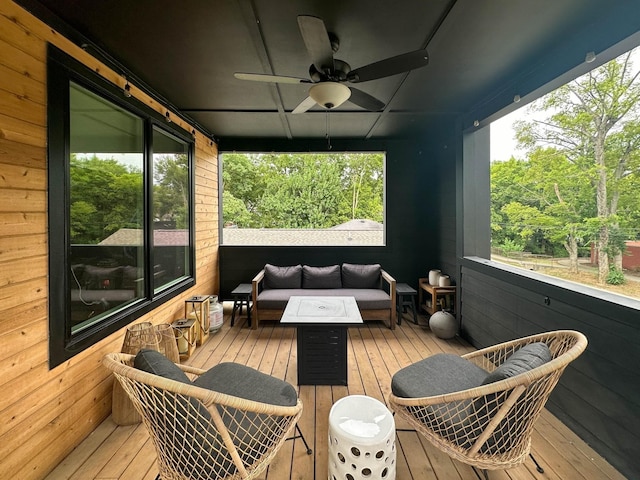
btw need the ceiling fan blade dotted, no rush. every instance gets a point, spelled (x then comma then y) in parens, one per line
(305, 105)
(365, 100)
(390, 66)
(316, 39)
(259, 77)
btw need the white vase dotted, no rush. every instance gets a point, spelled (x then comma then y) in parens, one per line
(443, 324)
(434, 275)
(444, 281)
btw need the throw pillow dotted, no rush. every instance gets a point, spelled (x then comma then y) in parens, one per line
(282, 277)
(152, 361)
(525, 359)
(360, 276)
(321, 277)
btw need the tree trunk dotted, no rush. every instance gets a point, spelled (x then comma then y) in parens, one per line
(603, 257)
(601, 204)
(571, 245)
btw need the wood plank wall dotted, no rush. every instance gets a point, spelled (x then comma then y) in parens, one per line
(45, 413)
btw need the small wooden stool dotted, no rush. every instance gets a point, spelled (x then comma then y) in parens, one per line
(405, 297)
(241, 298)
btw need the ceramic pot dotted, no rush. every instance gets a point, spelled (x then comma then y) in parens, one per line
(444, 281)
(434, 275)
(443, 324)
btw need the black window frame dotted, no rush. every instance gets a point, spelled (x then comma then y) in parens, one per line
(61, 71)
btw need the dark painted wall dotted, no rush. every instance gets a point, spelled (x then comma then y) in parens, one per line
(598, 394)
(411, 215)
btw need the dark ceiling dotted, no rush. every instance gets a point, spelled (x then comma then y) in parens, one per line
(187, 51)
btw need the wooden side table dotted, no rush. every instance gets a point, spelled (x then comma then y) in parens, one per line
(241, 298)
(405, 297)
(435, 295)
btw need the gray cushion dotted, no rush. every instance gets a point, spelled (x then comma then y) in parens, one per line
(525, 359)
(152, 361)
(245, 382)
(436, 375)
(360, 276)
(182, 417)
(282, 277)
(321, 277)
(367, 299)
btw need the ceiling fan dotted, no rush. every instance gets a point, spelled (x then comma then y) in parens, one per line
(328, 74)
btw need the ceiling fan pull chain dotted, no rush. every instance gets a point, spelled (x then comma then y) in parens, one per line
(328, 135)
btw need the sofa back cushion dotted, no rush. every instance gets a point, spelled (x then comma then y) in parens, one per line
(360, 276)
(321, 277)
(282, 277)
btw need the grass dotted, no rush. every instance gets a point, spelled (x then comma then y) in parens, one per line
(587, 275)
(630, 288)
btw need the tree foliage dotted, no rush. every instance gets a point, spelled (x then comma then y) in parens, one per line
(293, 190)
(105, 196)
(579, 182)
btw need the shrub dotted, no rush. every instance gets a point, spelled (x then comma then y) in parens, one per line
(511, 246)
(615, 276)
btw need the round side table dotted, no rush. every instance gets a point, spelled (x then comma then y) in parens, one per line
(362, 440)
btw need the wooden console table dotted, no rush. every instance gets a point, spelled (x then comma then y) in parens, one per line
(435, 294)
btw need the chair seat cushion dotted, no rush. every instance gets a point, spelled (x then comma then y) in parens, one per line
(436, 375)
(526, 358)
(245, 382)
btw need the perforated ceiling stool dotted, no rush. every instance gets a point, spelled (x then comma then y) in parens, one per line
(362, 440)
(241, 298)
(405, 297)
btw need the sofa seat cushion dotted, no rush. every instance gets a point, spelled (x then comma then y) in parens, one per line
(366, 298)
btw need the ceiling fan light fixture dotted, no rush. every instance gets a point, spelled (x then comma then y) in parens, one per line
(329, 94)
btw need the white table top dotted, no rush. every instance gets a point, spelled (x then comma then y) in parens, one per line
(318, 310)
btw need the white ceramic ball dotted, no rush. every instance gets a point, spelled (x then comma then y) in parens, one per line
(443, 324)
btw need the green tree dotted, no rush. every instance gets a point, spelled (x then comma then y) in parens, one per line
(105, 196)
(594, 122)
(171, 189)
(302, 190)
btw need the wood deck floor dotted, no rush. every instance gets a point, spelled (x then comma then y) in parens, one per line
(375, 353)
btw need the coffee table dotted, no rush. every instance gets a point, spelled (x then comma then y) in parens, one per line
(322, 324)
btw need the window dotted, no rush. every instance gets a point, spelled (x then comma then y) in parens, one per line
(120, 208)
(564, 173)
(303, 198)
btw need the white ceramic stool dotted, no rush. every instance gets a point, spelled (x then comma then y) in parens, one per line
(362, 440)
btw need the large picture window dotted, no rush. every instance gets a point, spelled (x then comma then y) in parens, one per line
(302, 198)
(563, 174)
(120, 208)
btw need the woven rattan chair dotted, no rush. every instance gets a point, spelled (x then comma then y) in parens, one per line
(202, 434)
(490, 426)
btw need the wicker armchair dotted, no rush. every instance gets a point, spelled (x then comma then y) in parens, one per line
(202, 434)
(490, 426)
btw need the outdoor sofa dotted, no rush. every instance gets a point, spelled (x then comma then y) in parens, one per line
(373, 289)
